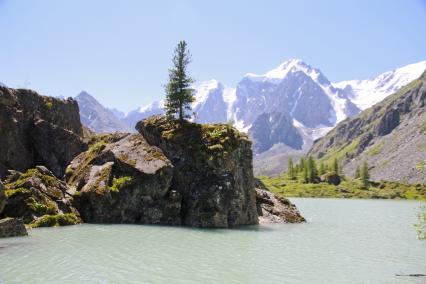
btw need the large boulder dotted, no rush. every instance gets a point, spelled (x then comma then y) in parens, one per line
(38, 198)
(213, 170)
(11, 227)
(38, 130)
(122, 179)
(274, 209)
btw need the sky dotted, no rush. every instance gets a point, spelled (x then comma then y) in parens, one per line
(120, 51)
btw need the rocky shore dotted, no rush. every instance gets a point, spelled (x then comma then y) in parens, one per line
(169, 173)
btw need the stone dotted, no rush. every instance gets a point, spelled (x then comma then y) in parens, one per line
(331, 178)
(274, 209)
(12, 227)
(2, 197)
(38, 130)
(35, 194)
(122, 179)
(212, 170)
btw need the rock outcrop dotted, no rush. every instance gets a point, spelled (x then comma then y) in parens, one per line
(212, 170)
(38, 130)
(122, 179)
(11, 227)
(38, 198)
(274, 209)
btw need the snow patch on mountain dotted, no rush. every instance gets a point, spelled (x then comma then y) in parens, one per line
(365, 93)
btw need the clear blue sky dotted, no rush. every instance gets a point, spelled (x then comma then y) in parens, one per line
(119, 51)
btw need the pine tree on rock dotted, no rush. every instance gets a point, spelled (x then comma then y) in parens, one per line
(179, 94)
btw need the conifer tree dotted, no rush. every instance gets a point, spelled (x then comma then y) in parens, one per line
(312, 169)
(179, 94)
(336, 166)
(290, 170)
(321, 169)
(365, 175)
(305, 175)
(357, 172)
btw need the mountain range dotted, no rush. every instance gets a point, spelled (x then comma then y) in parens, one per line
(283, 110)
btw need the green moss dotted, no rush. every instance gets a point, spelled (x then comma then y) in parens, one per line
(13, 192)
(97, 147)
(119, 183)
(56, 220)
(41, 209)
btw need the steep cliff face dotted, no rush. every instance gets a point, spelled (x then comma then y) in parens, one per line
(38, 130)
(122, 179)
(390, 136)
(213, 170)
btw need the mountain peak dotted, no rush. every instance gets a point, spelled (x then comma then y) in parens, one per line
(291, 65)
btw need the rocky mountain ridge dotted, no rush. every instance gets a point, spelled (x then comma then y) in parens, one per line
(390, 137)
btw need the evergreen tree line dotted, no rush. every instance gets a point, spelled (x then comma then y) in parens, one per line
(310, 171)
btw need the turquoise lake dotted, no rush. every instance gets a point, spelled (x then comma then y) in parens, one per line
(344, 241)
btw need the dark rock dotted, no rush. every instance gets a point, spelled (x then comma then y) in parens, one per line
(122, 179)
(12, 227)
(212, 170)
(63, 146)
(36, 193)
(388, 122)
(32, 126)
(2, 197)
(331, 178)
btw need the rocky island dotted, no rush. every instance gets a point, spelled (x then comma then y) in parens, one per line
(54, 172)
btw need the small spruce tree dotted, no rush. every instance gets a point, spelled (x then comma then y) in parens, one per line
(290, 170)
(365, 175)
(305, 175)
(312, 169)
(321, 169)
(336, 166)
(179, 94)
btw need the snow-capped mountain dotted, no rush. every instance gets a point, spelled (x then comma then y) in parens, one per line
(365, 93)
(213, 102)
(294, 95)
(296, 89)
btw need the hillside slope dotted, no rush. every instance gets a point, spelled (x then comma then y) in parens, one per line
(390, 137)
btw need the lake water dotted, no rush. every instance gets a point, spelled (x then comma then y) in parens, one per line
(344, 241)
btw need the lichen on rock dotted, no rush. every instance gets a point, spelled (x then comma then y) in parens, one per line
(35, 194)
(122, 179)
